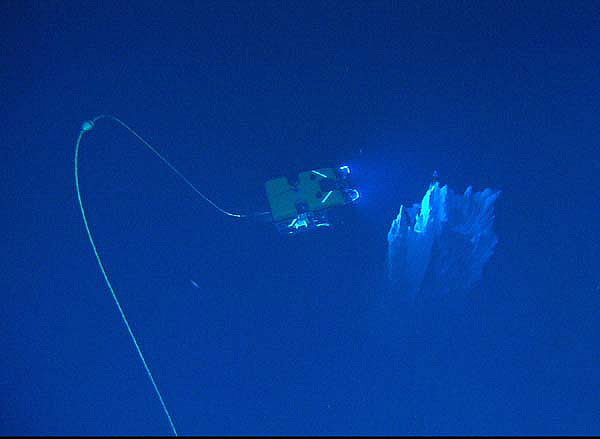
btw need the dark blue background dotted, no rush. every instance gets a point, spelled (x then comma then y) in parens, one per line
(295, 336)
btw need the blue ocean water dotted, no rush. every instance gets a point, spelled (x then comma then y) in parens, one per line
(246, 331)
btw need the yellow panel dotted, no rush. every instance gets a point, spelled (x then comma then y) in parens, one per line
(282, 198)
(309, 185)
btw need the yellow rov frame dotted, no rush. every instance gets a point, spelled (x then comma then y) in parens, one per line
(307, 203)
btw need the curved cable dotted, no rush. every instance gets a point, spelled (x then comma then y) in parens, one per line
(88, 125)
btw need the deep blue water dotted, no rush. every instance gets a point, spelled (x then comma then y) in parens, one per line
(296, 336)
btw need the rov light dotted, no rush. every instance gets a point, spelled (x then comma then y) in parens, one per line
(344, 169)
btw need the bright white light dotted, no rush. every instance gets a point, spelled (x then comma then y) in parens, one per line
(326, 196)
(319, 174)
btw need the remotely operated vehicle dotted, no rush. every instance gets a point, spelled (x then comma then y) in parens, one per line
(307, 202)
(311, 200)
